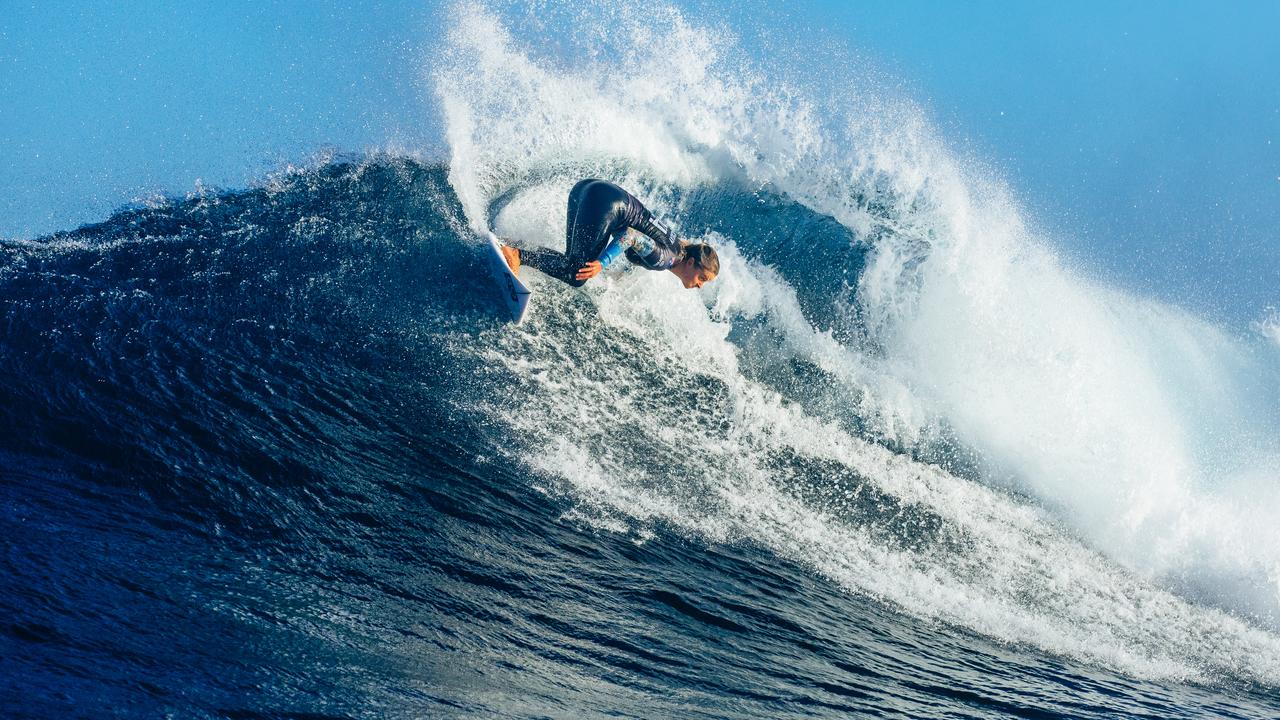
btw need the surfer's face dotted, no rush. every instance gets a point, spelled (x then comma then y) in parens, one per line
(691, 275)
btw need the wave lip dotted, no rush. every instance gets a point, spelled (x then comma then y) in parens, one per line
(959, 336)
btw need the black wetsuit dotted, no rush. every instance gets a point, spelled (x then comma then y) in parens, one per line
(600, 213)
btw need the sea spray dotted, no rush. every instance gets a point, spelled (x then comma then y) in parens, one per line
(1133, 424)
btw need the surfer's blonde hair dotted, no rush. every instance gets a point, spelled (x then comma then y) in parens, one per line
(703, 256)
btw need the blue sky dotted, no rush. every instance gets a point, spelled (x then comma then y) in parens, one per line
(106, 102)
(1144, 136)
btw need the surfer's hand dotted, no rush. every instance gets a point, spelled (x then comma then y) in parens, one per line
(589, 270)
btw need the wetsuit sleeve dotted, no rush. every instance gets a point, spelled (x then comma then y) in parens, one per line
(656, 230)
(652, 253)
(662, 248)
(611, 252)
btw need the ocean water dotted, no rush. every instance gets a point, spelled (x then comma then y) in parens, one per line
(274, 453)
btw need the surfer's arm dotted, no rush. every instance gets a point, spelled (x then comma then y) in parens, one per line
(655, 230)
(628, 238)
(611, 252)
(654, 244)
(654, 252)
(592, 268)
(588, 270)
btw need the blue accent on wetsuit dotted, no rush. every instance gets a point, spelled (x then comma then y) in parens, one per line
(612, 252)
(599, 215)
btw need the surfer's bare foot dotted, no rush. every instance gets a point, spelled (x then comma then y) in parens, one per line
(512, 257)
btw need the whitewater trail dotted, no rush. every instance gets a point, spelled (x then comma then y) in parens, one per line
(1124, 449)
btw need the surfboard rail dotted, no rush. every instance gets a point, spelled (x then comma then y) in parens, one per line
(515, 294)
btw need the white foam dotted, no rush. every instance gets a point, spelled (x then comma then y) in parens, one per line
(1150, 434)
(1269, 326)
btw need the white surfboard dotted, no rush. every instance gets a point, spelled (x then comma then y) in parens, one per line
(514, 293)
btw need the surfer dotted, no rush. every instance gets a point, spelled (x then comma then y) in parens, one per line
(606, 222)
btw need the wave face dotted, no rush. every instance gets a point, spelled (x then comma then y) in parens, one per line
(273, 453)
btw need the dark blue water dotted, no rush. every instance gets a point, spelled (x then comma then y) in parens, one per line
(257, 460)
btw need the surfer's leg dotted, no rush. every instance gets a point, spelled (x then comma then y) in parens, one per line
(595, 213)
(551, 262)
